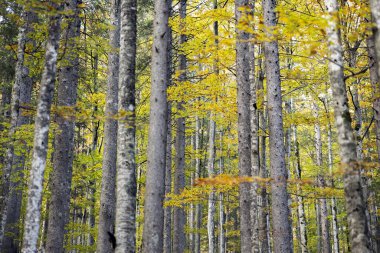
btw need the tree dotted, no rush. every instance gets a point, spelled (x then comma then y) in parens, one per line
(179, 217)
(32, 217)
(282, 232)
(244, 130)
(11, 196)
(125, 229)
(108, 195)
(60, 181)
(355, 204)
(155, 177)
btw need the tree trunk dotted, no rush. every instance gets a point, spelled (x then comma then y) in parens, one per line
(300, 205)
(222, 240)
(282, 233)
(355, 205)
(11, 194)
(41, 132)
(168, 166)
(108, 195)
(125, 228)
(60, 181)
(211, 196)
(179, 237)
(168, 186)
(198, 207)
(254, 124)
(244, 129)
(155, 177)
(324, 222)
(375, 226)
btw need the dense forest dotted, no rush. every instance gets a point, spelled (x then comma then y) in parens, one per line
(189, 126)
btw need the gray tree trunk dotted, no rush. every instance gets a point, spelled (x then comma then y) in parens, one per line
(244, 129)
(324, 222)
(168, 186)
(60, 181)
(211, 196)
(355, 204)
(255, 164)
(179, 218)
(198, 207)
(11, 194)
(335, 227)
(262, 199)
(222, 240)
(41, 132)
(168, 167)
(126, 188)
(155, 177)
(108, 195)
(300, 205)
(375, 226)
(282, 232)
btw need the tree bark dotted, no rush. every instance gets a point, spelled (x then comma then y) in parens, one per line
(244, 129)
(211, 196)
(179, 237)
(254, 124)
(125, 228)
(41, 132)
(198, 207)
(168, 186)
(222, 240)
(300, 205)
(355, 204)
(324, 222)
(108, 195)
(374, 78)
(168, 167)
(11, 195)
(282, 233)
(60, 181)
(155, 178)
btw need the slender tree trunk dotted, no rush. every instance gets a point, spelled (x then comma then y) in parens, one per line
(282, 233)
(222, 240)
(21, 95)
(106, 224)
(262, 199)
(211, 196)
(198, 207)
(60, 181)
(125, 227)
(155, 178)
(168, 167)
(244, 129)
(168, 185)
(300, 205)
(324, 222)
(355, 204)
(375, 226)
(254, 124)
(179, 237)
(41, 132)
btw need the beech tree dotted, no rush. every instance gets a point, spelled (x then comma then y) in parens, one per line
(155, 178)
(126, 165)
(282, 232)
(353, 190)
(33, 212)
(108, 195)
(60, 180)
